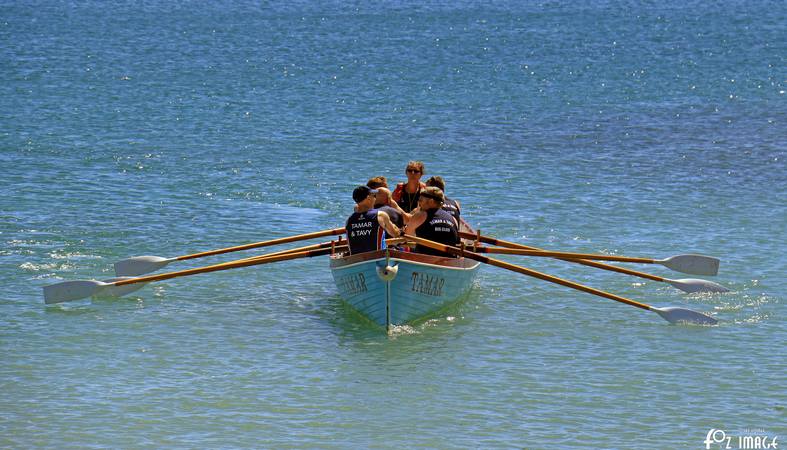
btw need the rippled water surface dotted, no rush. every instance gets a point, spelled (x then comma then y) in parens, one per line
(161, 128)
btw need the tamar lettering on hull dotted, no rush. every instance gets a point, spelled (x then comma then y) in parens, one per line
(352, 284)
(427, 284)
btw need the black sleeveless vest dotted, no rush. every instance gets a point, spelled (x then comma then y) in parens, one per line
(452, 207)
(407, 201)
(439, 226)
(364, 233)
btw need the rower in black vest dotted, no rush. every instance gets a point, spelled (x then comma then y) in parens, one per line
(439, 226)
(366, 225)
(364, 232)
(452, 206)
(381, 202)
(432, 222)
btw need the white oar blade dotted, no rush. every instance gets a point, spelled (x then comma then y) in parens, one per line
(692, 264)
(71, 290)
(696, 285)
(140, 265)
(119, 291)
(682, 315)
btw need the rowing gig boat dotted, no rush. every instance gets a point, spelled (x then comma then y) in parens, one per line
(392, 287)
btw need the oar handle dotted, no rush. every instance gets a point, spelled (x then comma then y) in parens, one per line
(284, 240)
(526, 271)
(514, 245)
(224, 266)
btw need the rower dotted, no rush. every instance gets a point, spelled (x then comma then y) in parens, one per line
(381, 203)
(433, 223)
(365, 226)
(377, 182)
(385, 202)
(452, 206)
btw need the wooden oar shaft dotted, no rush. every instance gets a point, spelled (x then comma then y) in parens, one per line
(616, 269)
(563, 255)
(526, 271)
(561, 281)
(337, 247)
(284, 240)
(225, 266)
(514, 245)
(292, 250)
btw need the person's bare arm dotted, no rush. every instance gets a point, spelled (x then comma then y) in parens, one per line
(385, 221)
(416, 221)
(405, 216)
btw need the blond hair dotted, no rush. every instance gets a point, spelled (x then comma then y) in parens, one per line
(418, 165)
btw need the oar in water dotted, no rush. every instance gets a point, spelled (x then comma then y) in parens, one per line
(140, 265)
(74, 290)
(670, 314)
(690, 285)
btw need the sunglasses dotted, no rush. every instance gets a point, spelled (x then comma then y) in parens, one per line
(413, 171)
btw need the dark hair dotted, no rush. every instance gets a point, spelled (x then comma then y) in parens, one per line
(377, 182)
(436, 181)
(360, 193)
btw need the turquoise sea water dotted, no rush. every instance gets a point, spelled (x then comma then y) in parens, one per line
(164, 128)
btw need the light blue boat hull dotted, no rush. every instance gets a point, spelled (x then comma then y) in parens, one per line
(421, 285)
